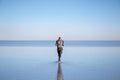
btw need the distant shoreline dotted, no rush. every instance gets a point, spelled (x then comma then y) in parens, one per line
(51, 43)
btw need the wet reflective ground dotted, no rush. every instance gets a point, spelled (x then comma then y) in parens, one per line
(78, 63)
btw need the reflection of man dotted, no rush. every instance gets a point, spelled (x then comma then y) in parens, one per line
(59, 73)
(59, 44)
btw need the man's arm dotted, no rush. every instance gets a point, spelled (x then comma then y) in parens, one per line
(62, 43)
(56, 43)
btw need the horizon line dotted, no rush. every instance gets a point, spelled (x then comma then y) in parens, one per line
(56, 39)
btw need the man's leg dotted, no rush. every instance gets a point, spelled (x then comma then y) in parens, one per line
(58, 51)
(59, 56)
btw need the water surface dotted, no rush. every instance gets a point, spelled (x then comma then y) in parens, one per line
(78, 63)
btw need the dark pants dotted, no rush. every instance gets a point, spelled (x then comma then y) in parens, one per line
(59, 50)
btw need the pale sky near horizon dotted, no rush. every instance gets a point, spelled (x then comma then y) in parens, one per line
(49, 19)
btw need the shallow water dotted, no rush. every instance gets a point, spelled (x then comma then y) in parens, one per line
(78, 63)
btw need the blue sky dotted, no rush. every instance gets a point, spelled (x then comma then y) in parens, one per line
(49, 19)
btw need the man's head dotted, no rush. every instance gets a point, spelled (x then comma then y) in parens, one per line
(59, 38)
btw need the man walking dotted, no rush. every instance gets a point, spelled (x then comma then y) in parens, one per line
(59, 44)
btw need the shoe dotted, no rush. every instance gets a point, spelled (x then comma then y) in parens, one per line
(59, 61)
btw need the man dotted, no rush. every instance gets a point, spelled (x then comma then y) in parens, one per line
(59, 44)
